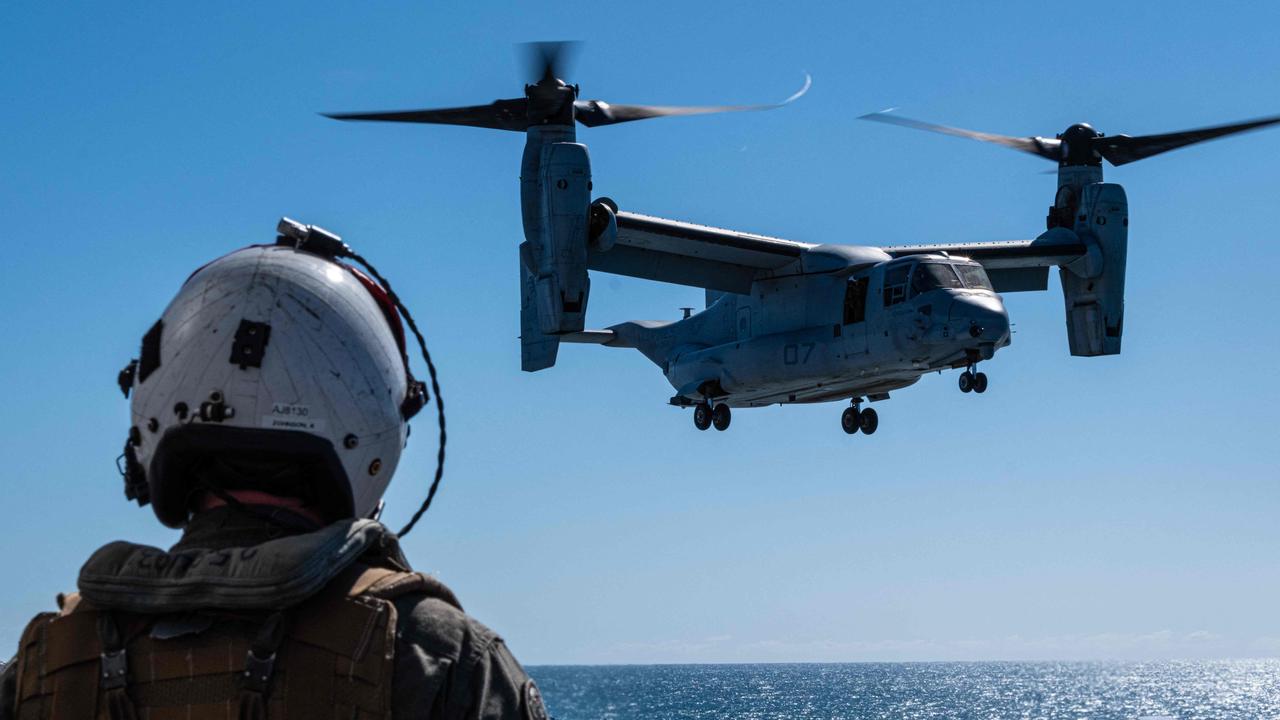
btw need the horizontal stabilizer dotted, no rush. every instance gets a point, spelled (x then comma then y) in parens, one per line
(590, 337)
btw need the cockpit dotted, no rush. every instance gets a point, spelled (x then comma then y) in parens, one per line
(906, 280)
(908, 277)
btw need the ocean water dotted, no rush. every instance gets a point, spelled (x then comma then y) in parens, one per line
(1226, 690)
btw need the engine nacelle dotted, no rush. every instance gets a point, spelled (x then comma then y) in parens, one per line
(560, 249)
(1093, 290)
(555, 196)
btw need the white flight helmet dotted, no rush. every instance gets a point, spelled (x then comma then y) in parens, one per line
(273, 352)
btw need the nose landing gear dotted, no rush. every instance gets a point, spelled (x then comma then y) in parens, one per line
(704, 416)
(721, 416)
(853, 419)
(849, 420)
(971, 381)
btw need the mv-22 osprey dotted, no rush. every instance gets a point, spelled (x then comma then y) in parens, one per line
(793, 322)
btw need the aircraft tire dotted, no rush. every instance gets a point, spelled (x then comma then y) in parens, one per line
(966, 382)
(701, 416)
(721, 417)
(849, 421)
(869, 421)
(980, 383)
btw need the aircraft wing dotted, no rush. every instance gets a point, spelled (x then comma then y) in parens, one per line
(688, 254)
(1013, 265)
(714, 258)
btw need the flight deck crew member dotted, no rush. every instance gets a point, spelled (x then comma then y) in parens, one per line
(270, 404)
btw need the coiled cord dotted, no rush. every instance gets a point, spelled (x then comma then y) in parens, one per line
(435, 385)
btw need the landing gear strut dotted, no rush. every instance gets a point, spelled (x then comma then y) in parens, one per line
(971, 381)
(854, 419)
(704, 416)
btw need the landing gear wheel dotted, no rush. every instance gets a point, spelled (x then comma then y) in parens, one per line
(868, 420)
(980, 383)
(721, 416)
(702, 416)
(849, 421)
(966, 382)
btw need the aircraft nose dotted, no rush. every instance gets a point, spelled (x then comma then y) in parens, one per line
(982, 319)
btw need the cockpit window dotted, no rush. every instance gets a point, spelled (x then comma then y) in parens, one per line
(933, 275)
(975, 277)
(895, 284)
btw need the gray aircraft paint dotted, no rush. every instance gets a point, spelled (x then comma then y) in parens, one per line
(774, 328)
(787, 341)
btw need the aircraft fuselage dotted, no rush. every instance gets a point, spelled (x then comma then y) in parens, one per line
(824, 337)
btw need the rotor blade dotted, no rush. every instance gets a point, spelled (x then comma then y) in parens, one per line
(1047, 148)
(499, 115)
(594, 113)
(548, 59)
(1121, 149)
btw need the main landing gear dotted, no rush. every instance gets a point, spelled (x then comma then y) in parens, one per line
(704, 416)
(854, 419)
(971, 381)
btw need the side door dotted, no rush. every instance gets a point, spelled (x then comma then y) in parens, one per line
(854, 320)
(744, 322)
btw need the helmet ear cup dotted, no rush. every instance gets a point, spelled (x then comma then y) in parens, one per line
(135, 476)
(415, 400)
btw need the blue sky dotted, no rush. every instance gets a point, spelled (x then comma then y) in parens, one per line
(1081, 508)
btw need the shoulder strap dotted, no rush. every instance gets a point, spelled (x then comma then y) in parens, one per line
(30, 664)
(59, 661)
(387, 584)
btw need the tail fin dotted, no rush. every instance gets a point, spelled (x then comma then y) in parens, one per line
(1093, 286)
(537, 350)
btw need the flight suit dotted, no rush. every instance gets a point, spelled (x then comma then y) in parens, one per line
(446, 665)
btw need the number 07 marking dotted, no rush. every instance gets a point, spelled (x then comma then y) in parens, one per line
(791, 353)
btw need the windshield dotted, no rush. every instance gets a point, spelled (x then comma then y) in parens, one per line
(974, 276)
(931, 276)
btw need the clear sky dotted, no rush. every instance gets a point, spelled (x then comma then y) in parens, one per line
(1082, 508)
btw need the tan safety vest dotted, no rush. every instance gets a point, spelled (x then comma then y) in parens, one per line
(330, 657)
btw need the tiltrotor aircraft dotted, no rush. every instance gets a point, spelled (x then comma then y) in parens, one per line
(795, 322)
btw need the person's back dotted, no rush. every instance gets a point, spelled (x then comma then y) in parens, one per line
(278, 601)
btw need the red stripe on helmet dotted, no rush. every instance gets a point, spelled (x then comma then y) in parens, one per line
(387, 307)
